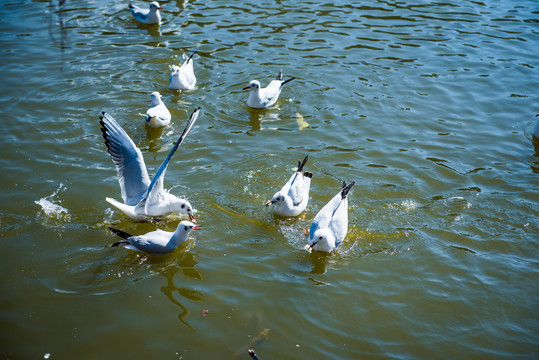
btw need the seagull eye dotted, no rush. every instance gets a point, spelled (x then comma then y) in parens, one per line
(185, 227)
(320, 238)
(183, 206)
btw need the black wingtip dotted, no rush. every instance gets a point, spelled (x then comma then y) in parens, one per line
(301, 164)
(346, 188)
(120, 233)
(287, 80)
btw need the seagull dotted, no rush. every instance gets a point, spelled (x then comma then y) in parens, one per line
(292, 199)
(158, 114)
(260, 98)
(330, 225)
(158, 241)
(141, 197)
(147, 16)
(183, 77)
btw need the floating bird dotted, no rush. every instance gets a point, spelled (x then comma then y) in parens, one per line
(260, 98)
(147, 16)
(183, 77)
(141, 197)
(292, 199)
(158, 241)
(330, 225)
(158, 114)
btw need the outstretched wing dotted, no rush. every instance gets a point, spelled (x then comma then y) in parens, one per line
(157, 184)
(132, 173)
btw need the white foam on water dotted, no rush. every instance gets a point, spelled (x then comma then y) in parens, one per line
(50, 207)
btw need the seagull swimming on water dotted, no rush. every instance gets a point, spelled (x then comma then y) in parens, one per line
(183, 76)
(260, 98)
(156, 242)
(292, 199)
(147, 16)
(157, 115)
(330, 225)
(141, 197)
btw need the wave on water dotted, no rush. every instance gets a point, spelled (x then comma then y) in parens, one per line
(50, 207)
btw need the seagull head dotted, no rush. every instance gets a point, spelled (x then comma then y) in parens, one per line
(253, 85)
(154, 6)
(182, 206)
(156, 98)
(323, 239)
(175, 70)
(277, 198)
(187, 226)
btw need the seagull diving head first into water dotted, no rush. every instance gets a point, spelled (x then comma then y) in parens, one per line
(330, 225)
(157, 115)
(152, 15)
(292, 199)
(183, 76)
(261, 98)
(158, 241)
(141, 197)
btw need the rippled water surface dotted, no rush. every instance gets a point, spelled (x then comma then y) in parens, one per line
(428, 106)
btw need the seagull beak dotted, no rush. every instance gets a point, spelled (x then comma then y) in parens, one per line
(197, 227)
(191, 217)
(270, 203)
(247, 87)
(313, 244)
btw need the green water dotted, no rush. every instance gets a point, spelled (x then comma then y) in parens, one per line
(427, 106)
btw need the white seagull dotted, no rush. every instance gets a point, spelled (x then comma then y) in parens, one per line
(147, 16)
(330, 225)
(157, 115)
(158, 241)
(141, 197)
(292, 199)
(260, 98)
(183, 77)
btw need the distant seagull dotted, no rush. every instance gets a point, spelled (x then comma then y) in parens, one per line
(260, 98)
(183, 77)
(156, 242)
(147, 16)
(292, 199)
(141, 197)
(157, 115)
(330, 225)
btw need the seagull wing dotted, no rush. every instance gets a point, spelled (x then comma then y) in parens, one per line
(132, 173)
(156, 187)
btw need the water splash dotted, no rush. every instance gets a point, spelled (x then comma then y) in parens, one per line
(51, 208)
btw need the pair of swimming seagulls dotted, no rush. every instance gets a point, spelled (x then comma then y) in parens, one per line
(330, 225)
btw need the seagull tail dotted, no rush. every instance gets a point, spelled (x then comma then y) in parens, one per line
(301, 164)
(346, 188)
(121, 234)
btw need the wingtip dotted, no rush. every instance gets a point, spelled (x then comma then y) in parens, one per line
(346, 188)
